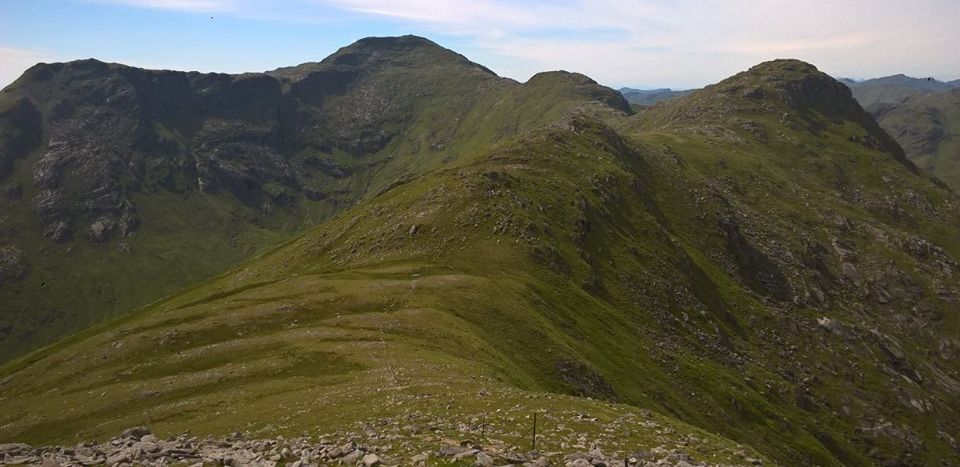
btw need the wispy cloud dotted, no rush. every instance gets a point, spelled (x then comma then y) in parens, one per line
(196, 6)
(686, 41)
(14, 60)
(677, 43)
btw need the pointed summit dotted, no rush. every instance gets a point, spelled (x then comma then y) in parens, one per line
(792, 93)
(402, 50)
(795, 83)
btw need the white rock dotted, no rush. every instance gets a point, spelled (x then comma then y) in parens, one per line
(370, 460)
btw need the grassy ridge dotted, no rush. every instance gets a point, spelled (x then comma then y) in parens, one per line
(756, 260)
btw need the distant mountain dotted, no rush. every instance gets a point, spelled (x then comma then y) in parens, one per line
(922, 114)
(752, 273)
(928, 127)
(650, 96)
(877, 92)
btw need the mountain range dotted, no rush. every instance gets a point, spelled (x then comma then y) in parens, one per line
(410, 250)
(923, 115)
(920, 113)
(650, 96)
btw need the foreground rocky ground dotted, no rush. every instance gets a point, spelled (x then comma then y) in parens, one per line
(138, 446)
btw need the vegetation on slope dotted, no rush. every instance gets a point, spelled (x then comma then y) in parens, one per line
(928, 128)
(757, 259)
(121, 185)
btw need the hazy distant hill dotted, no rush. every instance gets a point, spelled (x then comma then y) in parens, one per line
(928, 127)
(650, 96)
(922, 114)
(874, 93)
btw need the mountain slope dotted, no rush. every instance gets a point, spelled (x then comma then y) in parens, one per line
(874, 94)
(121, 185)
(650, 96)
(756, 259)
(928, 128)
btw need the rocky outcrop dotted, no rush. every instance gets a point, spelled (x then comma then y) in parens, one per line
(13, 264)
(138, 446)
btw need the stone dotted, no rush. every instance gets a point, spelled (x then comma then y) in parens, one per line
(371, 460)
(148, 438)
(351, 458)
(101, 229)
(465, 454)
(135, 432)
(451, 450)
(13, 449)
(484, 459)
(59, 232)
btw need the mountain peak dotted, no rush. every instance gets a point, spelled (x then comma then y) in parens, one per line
(404, 50)
(800, 86)
(405, 42)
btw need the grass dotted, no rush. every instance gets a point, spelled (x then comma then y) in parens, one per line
(588, 257)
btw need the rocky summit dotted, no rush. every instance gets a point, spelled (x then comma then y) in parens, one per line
(421, 262)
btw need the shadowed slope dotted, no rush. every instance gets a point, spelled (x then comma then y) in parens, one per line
(121, 184)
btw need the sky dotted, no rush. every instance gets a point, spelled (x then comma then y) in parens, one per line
(639, 43)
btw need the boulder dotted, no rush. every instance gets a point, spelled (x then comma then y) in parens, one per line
(136, 432)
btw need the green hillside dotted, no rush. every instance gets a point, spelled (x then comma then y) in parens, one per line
(756, 263)
(651, 96)
(122, 185)
(889, 91)
(928, 128)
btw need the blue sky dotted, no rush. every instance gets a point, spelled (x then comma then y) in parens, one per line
(646, 43)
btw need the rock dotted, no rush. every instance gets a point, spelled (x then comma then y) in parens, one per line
(351, 458)
(414, 229)
(59, 232)
(451, 450)
(371, 459)
(136, 432)
(465, 454)
(15, 449)
(101, 229)
(827, 323)
(21, 460)
(13, 264)
(484, 459)
(148, 438)
(420, 458)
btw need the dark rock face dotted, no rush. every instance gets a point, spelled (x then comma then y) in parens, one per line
(585, 381)
(20, 132)
(760, 272)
